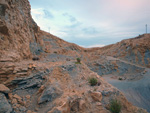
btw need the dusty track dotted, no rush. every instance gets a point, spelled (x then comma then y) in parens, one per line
(137, 92)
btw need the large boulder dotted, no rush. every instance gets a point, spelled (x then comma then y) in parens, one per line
(4, 105)
(49, 94)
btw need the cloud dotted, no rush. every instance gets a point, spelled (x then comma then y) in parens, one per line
(90, 30)
(48, 14)
(91, 46)
(71, 18)
(41, 13)
(95, 22)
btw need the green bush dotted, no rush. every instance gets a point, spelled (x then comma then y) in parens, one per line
(78, 61)
(115, 106)
(93, 81)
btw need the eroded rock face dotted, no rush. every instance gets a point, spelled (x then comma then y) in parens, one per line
(17, 28)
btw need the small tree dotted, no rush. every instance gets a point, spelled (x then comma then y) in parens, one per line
(115, 106)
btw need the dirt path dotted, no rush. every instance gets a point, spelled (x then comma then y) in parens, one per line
(137, 92)
(117, 59)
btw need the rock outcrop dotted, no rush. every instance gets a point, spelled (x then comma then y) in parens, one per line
(4, 89)
(17, 30)
(43, 76)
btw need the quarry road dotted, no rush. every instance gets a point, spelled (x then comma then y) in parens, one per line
(137, 92)
(117, 59)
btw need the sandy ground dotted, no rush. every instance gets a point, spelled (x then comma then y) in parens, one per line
(137, 92)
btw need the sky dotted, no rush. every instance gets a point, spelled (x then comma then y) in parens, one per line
(92, 23)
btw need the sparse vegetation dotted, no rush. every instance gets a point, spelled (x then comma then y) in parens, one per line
(78, 61)
(93, 81)
(115, 106)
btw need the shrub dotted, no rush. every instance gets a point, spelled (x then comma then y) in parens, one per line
(115, 106)
(78, 61)
(93, 81)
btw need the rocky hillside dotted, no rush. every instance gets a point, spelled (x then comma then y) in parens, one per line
(39, 72)
(125, 57)
(135, 50)
(20, 37)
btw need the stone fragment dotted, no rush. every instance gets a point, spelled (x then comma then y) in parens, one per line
(36, 109)
(81, 104)
(14, 101)
(28, 97)
(96, 96)
(98, 104)
(17, 97)
(41, 89)
(29, 111)
(4, 89)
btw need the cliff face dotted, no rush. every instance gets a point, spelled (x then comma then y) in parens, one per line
(17, 29)
(41, 72)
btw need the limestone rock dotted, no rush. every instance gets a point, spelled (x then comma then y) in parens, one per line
(82, 104)
(97, 96)
(5, 107)
(17, 97)
(4, 89)
(14, 101)
(28, 97)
